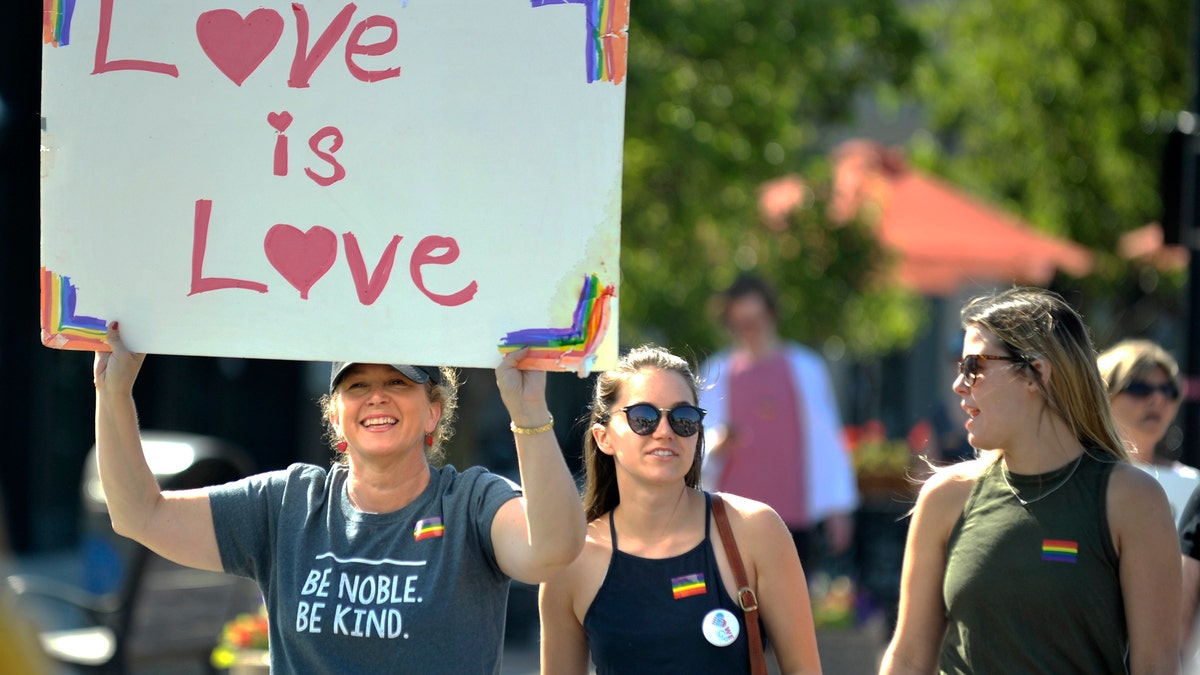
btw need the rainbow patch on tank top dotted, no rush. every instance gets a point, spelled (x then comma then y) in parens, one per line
(687, 586)
(1060, 550)
(428, 528)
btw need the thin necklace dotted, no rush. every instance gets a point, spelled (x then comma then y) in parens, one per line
(1047, 493)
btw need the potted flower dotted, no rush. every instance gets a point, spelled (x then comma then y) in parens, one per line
(243, 646)
(834, 601)
(883, 466)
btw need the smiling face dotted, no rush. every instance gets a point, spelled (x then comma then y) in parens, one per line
(997, 403)
(378, 411)
(662, 455)
(1145, 419)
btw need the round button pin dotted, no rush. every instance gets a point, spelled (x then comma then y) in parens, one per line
(721, 627)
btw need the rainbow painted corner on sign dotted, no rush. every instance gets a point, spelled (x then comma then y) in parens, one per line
(1060, 550)
(572, 348)
(62, 328)
(687, 586)
(56, 22)
(428, 528)
(607, 39)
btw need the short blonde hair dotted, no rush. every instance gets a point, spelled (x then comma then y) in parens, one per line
(1133, 359)
(446, 392)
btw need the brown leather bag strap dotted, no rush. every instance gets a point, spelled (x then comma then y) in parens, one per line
(745, 595)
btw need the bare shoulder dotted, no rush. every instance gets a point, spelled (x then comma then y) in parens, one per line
(597, 544)
(745, 513)
(764, 542)
(1129, 481)
(1139, 516)
(954, 481)
(944, 494)
(1133, 493)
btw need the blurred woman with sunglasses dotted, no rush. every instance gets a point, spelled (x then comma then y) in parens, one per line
(1050, 553)
(1144, 386)
(653, 576)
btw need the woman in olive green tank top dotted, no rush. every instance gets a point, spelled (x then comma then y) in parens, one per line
(1049, 554)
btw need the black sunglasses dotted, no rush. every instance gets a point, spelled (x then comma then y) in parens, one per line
(644, 418)
(1138, 389)
(969, 365)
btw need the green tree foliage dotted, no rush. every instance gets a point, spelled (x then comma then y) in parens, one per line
(722, 96)
(835, 286)
(1055, 108)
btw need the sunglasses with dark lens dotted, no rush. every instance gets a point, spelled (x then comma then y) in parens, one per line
(1146, 390)
(969, 365)
(644, 418)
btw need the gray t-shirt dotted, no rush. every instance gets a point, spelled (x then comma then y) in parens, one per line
(413, 591)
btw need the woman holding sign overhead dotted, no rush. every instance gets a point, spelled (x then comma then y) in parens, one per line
(381, 563)
(654, 590)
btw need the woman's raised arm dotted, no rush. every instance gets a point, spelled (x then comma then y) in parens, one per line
(541, 533)
(177, 525)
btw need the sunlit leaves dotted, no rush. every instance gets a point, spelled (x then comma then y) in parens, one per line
(1052, 107)
(724, 95)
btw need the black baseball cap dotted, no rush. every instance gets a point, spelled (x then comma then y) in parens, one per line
(418, 374)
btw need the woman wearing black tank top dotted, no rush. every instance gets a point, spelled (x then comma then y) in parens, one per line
(1049, 554)
(652, 591)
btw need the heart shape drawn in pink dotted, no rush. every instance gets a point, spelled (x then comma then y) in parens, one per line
(279, 121)
(237, 46)
(301, 257)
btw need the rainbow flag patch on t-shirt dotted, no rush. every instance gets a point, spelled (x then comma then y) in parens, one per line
(1060, 550)
(428, 528)
(687, 586)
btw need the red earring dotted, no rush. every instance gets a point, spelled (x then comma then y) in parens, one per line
(342, 445)
(429, 440)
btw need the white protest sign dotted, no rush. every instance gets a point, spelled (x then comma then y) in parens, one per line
(419, 181)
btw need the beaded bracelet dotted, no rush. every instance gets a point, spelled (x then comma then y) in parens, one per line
(530, 431)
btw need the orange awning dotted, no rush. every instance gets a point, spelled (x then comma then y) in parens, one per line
(945, 239)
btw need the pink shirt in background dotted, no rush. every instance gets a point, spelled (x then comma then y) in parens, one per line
(767, 461)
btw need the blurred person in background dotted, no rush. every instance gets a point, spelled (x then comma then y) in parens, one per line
(1144, 387)
(1050, 553)
(773, 429)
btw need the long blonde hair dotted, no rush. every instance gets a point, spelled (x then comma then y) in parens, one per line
(1035, 323)
(600, 493)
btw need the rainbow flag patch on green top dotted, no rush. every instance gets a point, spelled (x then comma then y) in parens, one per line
(428, 528)
(688, 585)
(1060, 550)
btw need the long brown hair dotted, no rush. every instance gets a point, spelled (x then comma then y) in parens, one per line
(1037, 324)
(600, 493)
